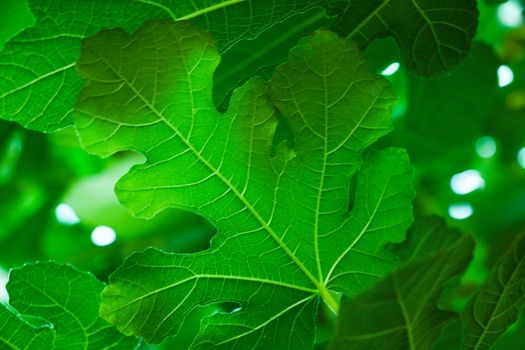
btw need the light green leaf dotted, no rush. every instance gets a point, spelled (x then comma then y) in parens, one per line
(15, 333)
(66, 300)
(401, 312)
(434, 36)
(499, 301)
(285, 237)
(38, 82)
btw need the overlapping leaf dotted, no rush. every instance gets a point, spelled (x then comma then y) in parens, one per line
(434, 36)
(285, 237)
(66, 301)
(401, 311)
(38, 82)
(499, 302)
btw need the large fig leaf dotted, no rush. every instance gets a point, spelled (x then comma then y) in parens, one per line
(285, 237)
(65, 302)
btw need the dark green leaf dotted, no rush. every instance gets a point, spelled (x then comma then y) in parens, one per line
(434, 36)
(498, 303)
(401, 311)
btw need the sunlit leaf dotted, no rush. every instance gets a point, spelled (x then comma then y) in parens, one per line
(286, 239)
(65, 301)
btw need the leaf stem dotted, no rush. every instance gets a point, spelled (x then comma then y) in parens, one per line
(329, 299)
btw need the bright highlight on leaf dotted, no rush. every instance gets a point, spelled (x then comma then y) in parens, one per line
(510, 13)
(103, 236)
(285, 240)
(391, 69)
(466, 182)
(66, 215)
(486, 147)
(521, 157)
(460, 211)
(505, 76)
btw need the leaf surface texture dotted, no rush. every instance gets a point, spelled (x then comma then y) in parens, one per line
(65, 302)
(285, 237)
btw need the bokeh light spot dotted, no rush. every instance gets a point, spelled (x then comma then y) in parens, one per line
(460, 211)
(486, 147)
(66, 215)
(466, 182)
(4, 277)
(521, 157)
(391, 69)
(103, 236)
(509, 13)
(505, 76)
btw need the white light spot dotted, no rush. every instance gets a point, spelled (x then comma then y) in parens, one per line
(509, 13)
(521, 157)
(390, 70)
(486, 147)
(237, 309)
(66, 215)
(4, 277)
(466, 182)
(460, 211)
(505, 76)
(103, 236)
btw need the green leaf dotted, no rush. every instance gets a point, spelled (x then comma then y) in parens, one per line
(499, 301)
(66, 300)
(434, 36)
(15, 16)
(401, 312)
(285, 237)
(38, 82)
(15, 333)
(261, 55)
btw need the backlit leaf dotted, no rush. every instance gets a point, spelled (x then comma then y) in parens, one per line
(65, 301)
(285, 237)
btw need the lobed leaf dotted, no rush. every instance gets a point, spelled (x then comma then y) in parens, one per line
(401, 311)
(39, 85)
(38, 82)
(286, 239)
(434, 36)
(499, 301)
(66, 300)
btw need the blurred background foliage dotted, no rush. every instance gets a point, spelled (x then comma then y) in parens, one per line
(465, 133)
